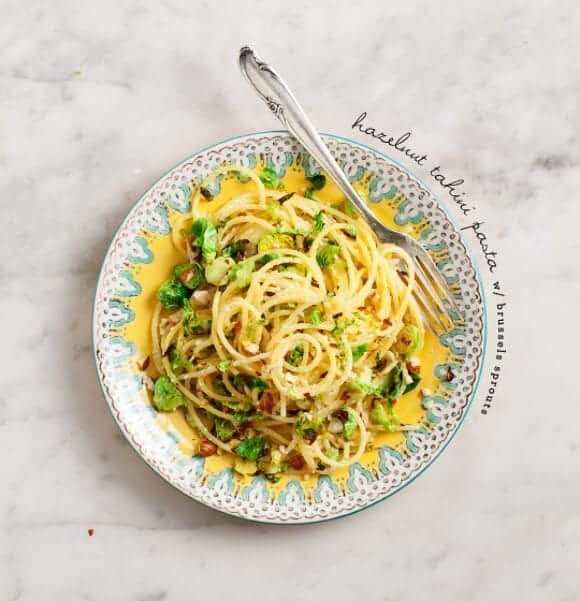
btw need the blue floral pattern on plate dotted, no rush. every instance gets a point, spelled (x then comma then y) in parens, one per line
(257, 499)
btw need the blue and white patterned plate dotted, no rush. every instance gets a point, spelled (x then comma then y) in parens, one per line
(137, 262)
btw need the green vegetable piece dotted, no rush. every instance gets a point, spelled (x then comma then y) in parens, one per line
(258, 383)
(358, 352)
(318, 223)
(340, 328)
(239, 380)
(366, 387)
(189, 274)
(224, 365)
(166, 396)
(413, 384)
(370, 388)
(295, 356)
(242, 272)
(172, 294)
(233, 404)
(179, 364)
(332, 453)
(309, 193)
(292, 231)
(245, 418)
(272, 464)
(379, 416)
(317, 181)
(218, 270)
(270, 179)
(326, 256)
(316, 228)
(251, 448)
(273, 241)
(205, 237)
(350, 425)
(272, 213)
(385, 417)
(308, 428)
(250, 382)
(251, 331)
(267, 258)
(187, 313)
(224, 429)
(394, 383)
(315, 318)
(417, 340)
(192, 322)
(232, 249)
(410, 340)
(276, 464)
(252, 328)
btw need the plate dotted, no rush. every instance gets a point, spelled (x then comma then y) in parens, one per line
(139, 260)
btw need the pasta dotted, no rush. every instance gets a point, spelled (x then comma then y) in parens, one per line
(286, 334)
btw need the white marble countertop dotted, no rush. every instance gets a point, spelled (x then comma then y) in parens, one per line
(96, 101)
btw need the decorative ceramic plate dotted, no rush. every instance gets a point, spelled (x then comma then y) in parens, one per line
(138, 261)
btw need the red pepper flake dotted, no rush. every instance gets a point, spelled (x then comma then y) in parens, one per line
(91, 531)
(344, 396)
(393, 402)
(342, 415)
(308, 396)
(333, 345)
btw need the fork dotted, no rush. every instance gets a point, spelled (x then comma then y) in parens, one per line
(432, 291)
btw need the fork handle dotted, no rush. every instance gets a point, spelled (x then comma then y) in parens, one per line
(282, 102)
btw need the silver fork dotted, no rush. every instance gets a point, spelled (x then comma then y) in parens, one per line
(435, 306)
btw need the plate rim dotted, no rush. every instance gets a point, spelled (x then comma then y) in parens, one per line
(313, 519)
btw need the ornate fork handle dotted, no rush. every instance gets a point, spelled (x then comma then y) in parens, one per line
(275, 107)
(282, 102)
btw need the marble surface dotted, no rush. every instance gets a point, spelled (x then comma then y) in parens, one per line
(96, 101)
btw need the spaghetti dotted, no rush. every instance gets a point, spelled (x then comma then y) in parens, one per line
(286, 335)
